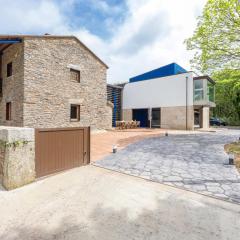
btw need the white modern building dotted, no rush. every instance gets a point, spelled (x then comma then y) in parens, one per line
(169, 97)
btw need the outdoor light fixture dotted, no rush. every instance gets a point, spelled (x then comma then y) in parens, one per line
(231, 158)
(114, 149)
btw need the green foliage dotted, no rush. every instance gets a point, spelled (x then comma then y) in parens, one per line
(228, 95)
(216, 39)
(14, 144)
(233, 147)
(216, 42)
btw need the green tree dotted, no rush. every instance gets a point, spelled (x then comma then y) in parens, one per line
(217, 37)
(216, 42)
(228, 95)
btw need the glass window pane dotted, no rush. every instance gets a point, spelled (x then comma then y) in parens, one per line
(210, 92)
(198, 84)
(75, 75)
(198, 90)
(73, 112)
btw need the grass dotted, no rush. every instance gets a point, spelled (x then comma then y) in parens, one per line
(235, 149)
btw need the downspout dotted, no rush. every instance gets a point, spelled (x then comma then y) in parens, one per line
(150, 117)
(186, 103)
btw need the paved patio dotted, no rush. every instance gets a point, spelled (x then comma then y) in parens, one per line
(195, 162)
(102, 142)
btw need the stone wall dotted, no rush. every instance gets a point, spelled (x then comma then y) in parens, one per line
(49, 91)
(1, 163)
(17, 157)
(175, 118)
(109, 114)
(127, 114)
(171, 117)
(205, 117)
(12, 86)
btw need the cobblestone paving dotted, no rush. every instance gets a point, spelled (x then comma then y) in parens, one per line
(196, 162)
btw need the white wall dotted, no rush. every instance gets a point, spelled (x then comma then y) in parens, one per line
(159, 92)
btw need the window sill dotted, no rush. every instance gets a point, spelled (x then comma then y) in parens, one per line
(74, 120)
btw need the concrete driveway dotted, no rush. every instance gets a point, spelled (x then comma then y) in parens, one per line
(95, 203)
(196, 162)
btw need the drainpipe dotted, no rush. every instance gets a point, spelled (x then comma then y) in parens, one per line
(186, 103)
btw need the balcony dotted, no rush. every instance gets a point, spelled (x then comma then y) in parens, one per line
(203, 91)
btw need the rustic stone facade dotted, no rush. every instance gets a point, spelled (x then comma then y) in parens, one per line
(45, 90)
(12, 87)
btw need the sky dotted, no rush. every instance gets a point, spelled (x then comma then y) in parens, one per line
(130, 36)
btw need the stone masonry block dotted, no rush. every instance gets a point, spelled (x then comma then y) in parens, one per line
(17, 156)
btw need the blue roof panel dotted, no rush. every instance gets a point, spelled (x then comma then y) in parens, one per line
(167, 70)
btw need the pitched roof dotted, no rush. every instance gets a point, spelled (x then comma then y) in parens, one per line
(47, 36)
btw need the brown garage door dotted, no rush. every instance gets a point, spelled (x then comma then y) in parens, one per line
(60, 149)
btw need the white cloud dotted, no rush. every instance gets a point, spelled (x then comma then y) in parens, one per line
(157, 28)
(151, 35)
(30, 16)
(105, 7)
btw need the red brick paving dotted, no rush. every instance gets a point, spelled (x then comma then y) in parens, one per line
(102, 143)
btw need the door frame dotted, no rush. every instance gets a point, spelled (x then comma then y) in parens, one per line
(159, 110)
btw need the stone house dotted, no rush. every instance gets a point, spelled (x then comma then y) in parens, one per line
(52, 81)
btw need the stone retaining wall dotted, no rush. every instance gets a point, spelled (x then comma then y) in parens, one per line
(1, 164)
(17, 156)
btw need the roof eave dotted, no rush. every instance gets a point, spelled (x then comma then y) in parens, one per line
(54, 36)
(205, 77)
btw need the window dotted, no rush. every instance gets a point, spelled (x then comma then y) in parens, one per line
(198, 90)
(9, 69)
(75, 75)
(210, 92)
(75, 113)
(8, 111)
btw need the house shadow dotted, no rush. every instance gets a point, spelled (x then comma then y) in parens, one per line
(167, 219)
